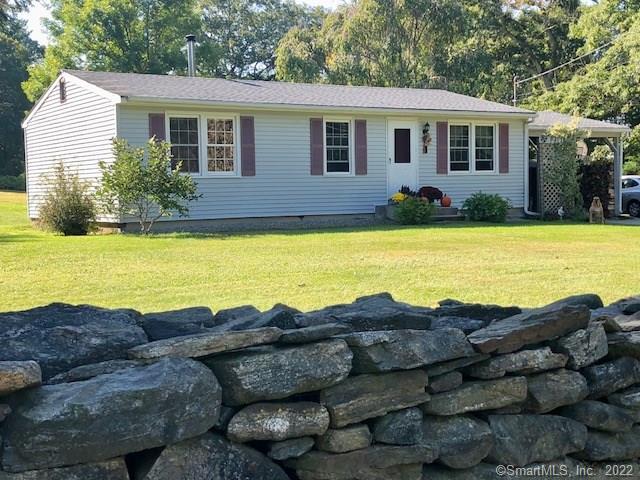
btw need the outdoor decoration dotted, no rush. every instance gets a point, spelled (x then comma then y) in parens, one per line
(430, 193)
(426, 137)
(596, 212)
(445, 201)
(399, 197)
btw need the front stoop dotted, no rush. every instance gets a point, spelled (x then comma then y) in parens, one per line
(442, 213)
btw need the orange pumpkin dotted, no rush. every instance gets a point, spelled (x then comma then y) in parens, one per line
(445, 201)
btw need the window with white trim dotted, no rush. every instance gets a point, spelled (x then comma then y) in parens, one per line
(459, 148)
(485, 148)
(337, 140)
(185, 145)
(221, 145)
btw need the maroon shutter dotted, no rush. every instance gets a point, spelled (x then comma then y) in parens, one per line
(247, 147)
(156, 126)
(361, 147)
(442, 138)
(503, 151)
(317, 146)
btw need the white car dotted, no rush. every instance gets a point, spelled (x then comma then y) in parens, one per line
(631, 195)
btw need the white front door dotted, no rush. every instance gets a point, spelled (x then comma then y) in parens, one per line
(402, 162)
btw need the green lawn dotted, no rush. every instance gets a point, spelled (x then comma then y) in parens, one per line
(525, 264)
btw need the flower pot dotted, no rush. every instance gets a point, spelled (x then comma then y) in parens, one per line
(445, 201)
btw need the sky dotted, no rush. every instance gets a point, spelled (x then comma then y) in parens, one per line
(39, 11)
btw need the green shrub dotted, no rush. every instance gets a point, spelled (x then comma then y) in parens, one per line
(484, 207)
(630, 167)
(414, 211)
(9, 182)
(67, 208)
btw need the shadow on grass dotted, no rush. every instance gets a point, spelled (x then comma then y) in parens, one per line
(383, 227)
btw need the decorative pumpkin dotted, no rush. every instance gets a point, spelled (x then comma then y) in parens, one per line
(445, 201)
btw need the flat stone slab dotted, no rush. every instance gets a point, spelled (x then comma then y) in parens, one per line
(583, 347)
(213, 457)
(405, 349)
(109, 415)
(85, 372)
(292, 448)
(175, 323)
(403, 427)
(114, 469)
(524, 362)
(523, 439)
(279, 316)
(278, 421)
(550, 390)
(312, 334)
(60, 337)
(478, 395)
(528, 328)
(624, 344)
(467, 325)
(607, 378)
(347, 439)
(445, 382)
(599, 416)
(372, 395)
(15, 376)
(451, 365)
(475, 311)
(204, 344)
(611, 446)
(461, 440)
(373, 463)
(271, 373)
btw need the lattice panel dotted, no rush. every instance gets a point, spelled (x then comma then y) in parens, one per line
(550, 194)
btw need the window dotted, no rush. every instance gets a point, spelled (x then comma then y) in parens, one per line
(459, 148)
(484, 148)
(629, 183)
(337, 143)
(221, 151)
(185, 148)
(62, 89)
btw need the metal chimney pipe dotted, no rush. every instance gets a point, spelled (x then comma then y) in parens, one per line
(191, 55)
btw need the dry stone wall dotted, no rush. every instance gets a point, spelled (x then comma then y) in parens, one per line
(375, 389)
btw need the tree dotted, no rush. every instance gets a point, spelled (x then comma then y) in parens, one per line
(240, 36)
(144, 36)
(147, 190)
(17, 51)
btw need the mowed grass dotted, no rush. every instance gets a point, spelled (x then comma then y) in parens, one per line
(528, 264)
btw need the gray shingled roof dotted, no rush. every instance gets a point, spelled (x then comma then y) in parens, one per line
(216, 90)
(547, 119)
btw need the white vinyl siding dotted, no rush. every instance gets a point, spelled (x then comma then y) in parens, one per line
(461, 186)
(77, 132)
(283, 185)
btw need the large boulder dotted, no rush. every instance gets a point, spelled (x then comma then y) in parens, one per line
(599, 415)
(550, 390)
(612, 446)
(375, 312)
(524, 439)
(114, 469)
(347, 439)
(212, 457)
(524, 362)
(529, 328)
(16, 375)
(461, 440)
(403, 427)
(109, 415)
(204, 344)
(405, 349)
(583, 347)
(60, 337)
(373, 463)
(478, 395)
(278, 421)
(271, 373)
(624, 344)
(611, 376)
(175, 323)
(372, 395)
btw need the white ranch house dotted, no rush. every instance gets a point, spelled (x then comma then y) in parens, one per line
(265, 152)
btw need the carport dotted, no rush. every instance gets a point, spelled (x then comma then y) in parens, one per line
(542, 196)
